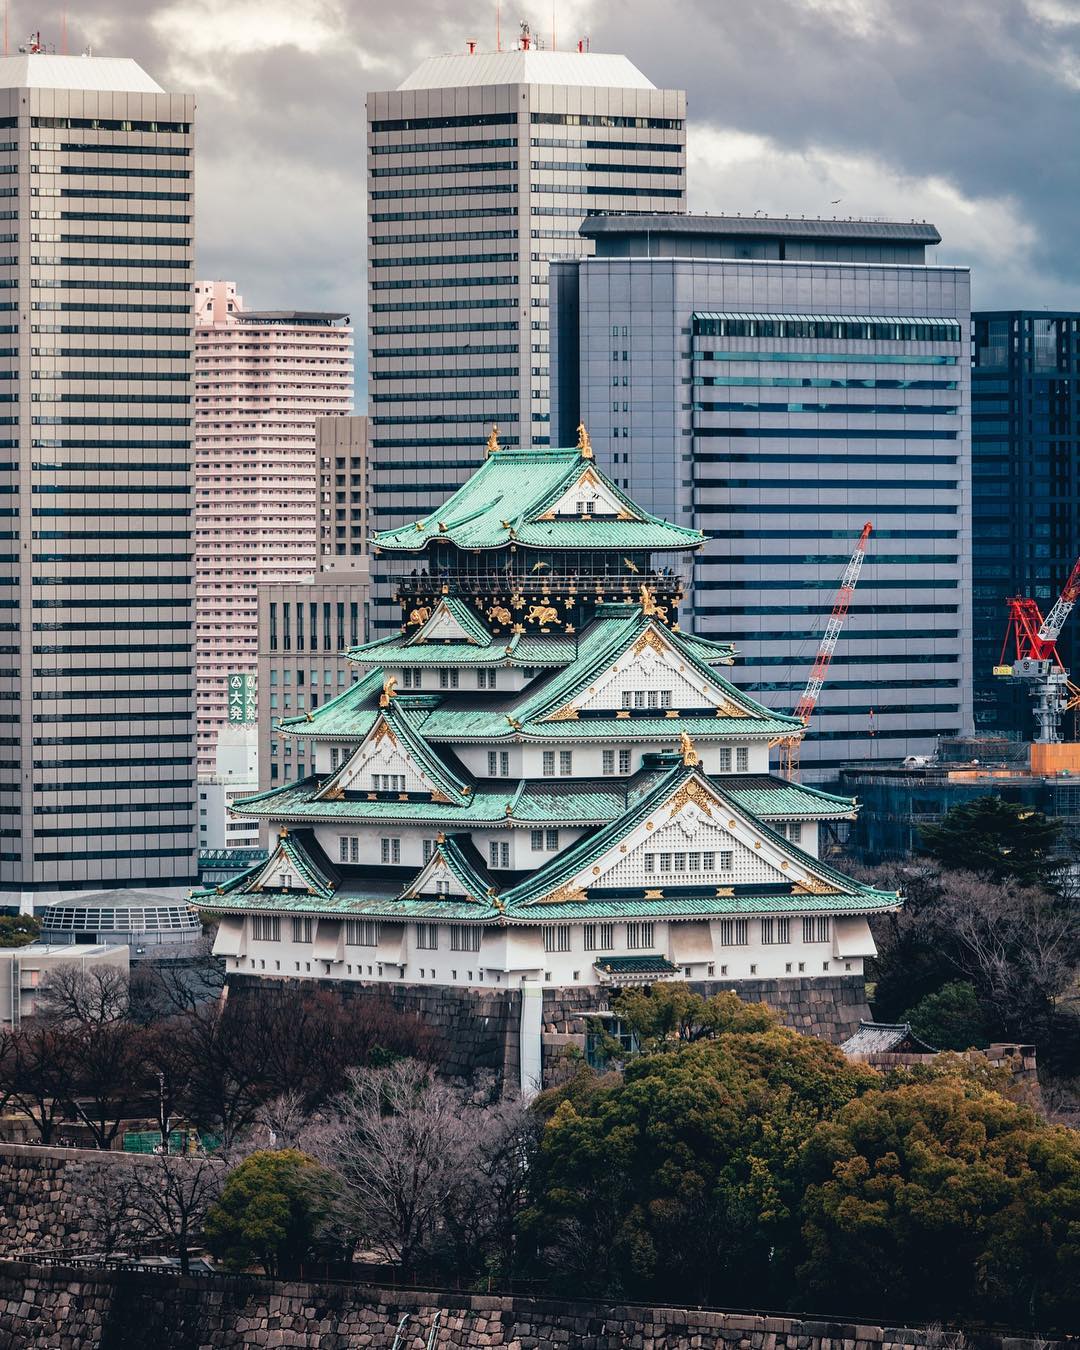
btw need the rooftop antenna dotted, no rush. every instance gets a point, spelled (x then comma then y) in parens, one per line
(526, 35)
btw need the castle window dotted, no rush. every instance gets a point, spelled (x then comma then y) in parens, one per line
(566, 762)
(549, 763)
(775, 932)
(427, 937)
(551, 840)
(624, 761)
(607, 936)
(442, 888)
(536, 840)
(742, 759)
(639, 935)
(413, 679)
(302, 929)
(335, 755)
(733, 932)
(499, 855)
(792, 830)
(390, 851)
(608, 758)
(448, 679)
(361, 933)
(723, 759)
(485, 679)
(265, 928)
(815, 929)
(427, 848)
(498, 763)
(557, 937)
(464, 937)
(349, 848)
(588, 937)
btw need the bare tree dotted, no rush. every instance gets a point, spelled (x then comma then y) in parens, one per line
(105, 1197)
(187, 979)
(168, 1200)
(107, 1073)
(284, 1118)
(37, 1074)
(421, 1165)
(70, 994)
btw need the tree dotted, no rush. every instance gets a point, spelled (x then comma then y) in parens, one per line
(951, 1019)
(421, 1167)
(106, 1072)
(665, 1015)
(78, 995)
(168, 1199)
(679, 1179)
(37, 1073)
(997, 839)
(18, 930)
(270, 1211)
(942, 1199)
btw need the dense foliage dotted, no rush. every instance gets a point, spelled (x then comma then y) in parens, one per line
(756, 1167)
(270, 1212)
(18, 930)
(997, 839)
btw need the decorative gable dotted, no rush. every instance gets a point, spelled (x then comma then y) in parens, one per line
(380, 764)
(280, 873)
(438, 879)
(449, 621)
(653, 673)
(589, 496)
(695, 838)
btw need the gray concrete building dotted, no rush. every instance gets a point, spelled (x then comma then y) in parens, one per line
(776, 384)
(96, 621)
(481, 167)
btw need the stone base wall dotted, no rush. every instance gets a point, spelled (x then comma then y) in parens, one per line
(471, 1028)
(57, 1306)
(41, 1196)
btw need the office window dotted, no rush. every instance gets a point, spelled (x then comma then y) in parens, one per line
(815, 928)
(265, 928)
(733, 932)
(638, 936)
(427, 937)
(390, 851)
(775, 932)
(361, 933)
(302, 929)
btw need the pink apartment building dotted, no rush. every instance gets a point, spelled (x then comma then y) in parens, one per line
(262, 377)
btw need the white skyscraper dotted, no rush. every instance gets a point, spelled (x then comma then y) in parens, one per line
(97, 773)
(481, 167)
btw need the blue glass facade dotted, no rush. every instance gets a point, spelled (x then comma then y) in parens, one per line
(1025, 492)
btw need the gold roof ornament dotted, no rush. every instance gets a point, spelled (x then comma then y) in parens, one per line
(283, 833)
(389, 689)
(690, 756)
(493, 446)
(583, 442)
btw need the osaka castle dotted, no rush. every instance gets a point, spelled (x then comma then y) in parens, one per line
(542, 782)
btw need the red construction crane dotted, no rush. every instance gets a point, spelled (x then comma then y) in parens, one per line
(790, 746)
(1034, 640)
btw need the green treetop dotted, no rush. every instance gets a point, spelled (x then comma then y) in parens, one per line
(995, 838)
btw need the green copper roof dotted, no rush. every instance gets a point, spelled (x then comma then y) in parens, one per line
(707, 651)
(765, 795)
(534, 651)
(504, 500)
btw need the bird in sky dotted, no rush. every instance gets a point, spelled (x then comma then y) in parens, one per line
(836, 202)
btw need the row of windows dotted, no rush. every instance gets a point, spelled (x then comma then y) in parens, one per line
(824, 433)
(474, 166)
(861, 330)
(605, 120)
(575, 166)
(445, 260)
(428, 123)
(461, 213)
(508, 327)
(427, 283)
(128, 217)
(820, 382)
(106, 124)
(427, 147)
(412, 306)
(851, 409)
(830, 457)
(102, 194)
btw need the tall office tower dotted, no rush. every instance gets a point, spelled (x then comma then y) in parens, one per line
(262, 378)
(1025, 487)
(480, 169)
(776, 384)
(97, 776)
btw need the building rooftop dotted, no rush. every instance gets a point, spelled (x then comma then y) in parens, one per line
(891, 231)
(107, 74)
(885, 1038)
(594, 69)
(74, 949)
(289, 316)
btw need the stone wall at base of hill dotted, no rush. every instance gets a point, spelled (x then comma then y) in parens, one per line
(118, 1310)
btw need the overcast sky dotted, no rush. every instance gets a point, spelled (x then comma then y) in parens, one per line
(962, 112)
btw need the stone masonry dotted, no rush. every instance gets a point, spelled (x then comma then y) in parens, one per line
(115, 1310)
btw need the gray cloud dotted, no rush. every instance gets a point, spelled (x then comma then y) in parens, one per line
(965, 112)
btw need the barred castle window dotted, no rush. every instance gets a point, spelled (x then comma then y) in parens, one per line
(775, 932)
(266, 928)
(302, 929)
(815, 928)
(361, 933)
(427, 937)
(733, 933)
